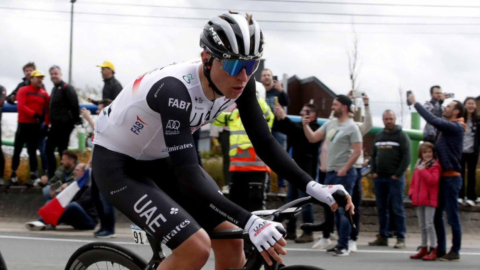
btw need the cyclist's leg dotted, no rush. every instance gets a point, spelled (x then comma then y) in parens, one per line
(124, 183)
(193, 253)
(228, 253)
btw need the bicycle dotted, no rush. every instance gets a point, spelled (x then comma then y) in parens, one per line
(110, 254)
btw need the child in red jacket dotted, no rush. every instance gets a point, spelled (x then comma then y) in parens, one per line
(424, 195)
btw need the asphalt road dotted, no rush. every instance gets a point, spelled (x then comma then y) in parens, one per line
(51, 249)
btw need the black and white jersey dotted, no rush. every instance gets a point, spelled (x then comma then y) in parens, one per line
(131, 126)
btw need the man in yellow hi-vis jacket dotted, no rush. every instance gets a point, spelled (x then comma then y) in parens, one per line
(249, 173)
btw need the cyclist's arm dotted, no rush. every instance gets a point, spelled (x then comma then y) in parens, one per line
(174, 105)
(263, 141)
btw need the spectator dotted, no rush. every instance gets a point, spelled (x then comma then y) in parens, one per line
(249, 173)
(423, 193)
(390, 158)
(105, 210)
(470, 152)
(112, 86)
(64, 114)
(449, 146)
(344, 148)
(365, 127)
(27, 70)
(33, 108)
(275, 91)
(3, 96)
(12, 98)
(435, 107)
(357, 187)
(64, 174)
(80, 212)
(305, 154)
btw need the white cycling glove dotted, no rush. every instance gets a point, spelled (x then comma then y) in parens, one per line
(263, 233)
(323, 193)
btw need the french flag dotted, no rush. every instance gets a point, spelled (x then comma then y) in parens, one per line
(53, 210)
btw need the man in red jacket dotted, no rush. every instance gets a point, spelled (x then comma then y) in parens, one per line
(32, 102)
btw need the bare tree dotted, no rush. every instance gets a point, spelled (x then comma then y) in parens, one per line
(354, 60)
(354, 68)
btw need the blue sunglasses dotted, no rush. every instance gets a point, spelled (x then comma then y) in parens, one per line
(234, 67)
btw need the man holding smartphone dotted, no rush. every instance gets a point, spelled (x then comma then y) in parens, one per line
(305, 154)
(275, 90)
(449, 147)
(434, 106)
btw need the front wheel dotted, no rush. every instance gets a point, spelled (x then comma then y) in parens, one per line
(104, 256)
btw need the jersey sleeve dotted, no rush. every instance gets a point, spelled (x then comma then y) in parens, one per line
(263, 141)
(174, 104)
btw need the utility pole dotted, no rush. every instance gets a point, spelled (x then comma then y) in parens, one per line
(71, 43)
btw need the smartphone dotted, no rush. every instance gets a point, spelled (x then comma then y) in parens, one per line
(449, 95)
(409, 92)
(275, 100)
(307, 112)
(275, 78)
(357, 94)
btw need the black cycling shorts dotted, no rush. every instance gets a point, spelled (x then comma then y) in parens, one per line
(149, 193)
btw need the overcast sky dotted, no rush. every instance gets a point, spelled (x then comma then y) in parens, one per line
(397, 48)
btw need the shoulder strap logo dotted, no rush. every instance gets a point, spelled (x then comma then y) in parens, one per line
(188, 78)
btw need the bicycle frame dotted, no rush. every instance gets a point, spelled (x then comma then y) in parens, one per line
(254, 260)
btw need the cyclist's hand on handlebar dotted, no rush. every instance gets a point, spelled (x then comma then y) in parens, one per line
(267, 237)
(348, 205)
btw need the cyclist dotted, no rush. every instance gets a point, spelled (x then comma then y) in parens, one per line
(146, 165)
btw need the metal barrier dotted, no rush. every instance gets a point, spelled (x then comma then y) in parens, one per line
(9, 108)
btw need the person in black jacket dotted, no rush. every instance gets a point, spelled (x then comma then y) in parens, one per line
(305, 154)
(390, 160)
(27, 69)
(3, 96)
(470, 151)
(64, 114)
(112, 86)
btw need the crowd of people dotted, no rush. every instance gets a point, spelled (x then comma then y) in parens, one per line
(444, 175)
(45, 123)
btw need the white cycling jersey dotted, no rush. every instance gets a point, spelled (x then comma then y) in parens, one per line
(129, 126)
